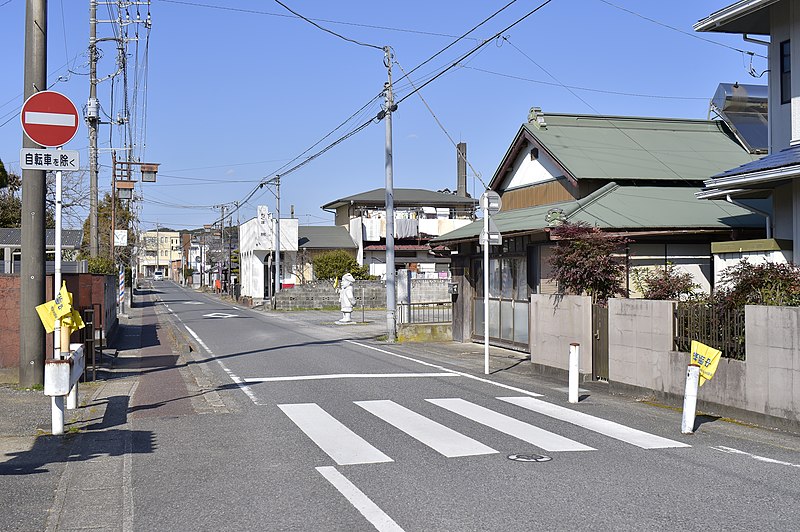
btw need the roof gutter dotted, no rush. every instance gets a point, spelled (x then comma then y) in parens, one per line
(731, 13)
(765, 214)
(761, 176)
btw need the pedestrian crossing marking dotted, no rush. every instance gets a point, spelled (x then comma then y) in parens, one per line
(339, 442)
(611, 429)
(441, 439)
(508, 425)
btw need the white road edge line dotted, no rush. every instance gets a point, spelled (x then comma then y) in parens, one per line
(377, 517)
(239, 382)
(467, 375)
(731, 450)
(347, 376)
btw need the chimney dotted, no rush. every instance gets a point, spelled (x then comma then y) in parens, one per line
(461, 154)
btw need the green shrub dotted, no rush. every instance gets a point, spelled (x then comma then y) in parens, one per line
(334, 264)
(664, 283)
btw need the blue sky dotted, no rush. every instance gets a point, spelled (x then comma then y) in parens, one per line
(235, 92)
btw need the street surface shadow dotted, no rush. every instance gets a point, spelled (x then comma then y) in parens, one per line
(512, 366)
(703, 419)
(95, 440)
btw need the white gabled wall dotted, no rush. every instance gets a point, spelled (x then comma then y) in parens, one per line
(256, 243)
(530, 171)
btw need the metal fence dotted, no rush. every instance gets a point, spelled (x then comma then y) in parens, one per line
(723, 330)
(440, 312)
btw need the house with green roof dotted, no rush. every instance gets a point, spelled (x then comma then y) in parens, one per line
(631, 176)
(420, 215)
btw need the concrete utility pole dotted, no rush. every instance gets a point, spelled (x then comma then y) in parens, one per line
(92, 121)
(32, 271)
(277, 238)
(391, 304)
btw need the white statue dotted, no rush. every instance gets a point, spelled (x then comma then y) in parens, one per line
(346, 298)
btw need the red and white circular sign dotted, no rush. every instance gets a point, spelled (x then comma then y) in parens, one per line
(49, 119)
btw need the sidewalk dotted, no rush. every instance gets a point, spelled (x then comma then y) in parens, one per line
(49, 478)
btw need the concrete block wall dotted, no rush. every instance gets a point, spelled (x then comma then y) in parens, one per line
(556, 322)
(421, 290)
(640, 336)
(322, 294)
(9, 321)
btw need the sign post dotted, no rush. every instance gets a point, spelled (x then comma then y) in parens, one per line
(50, 119)
(490, 203)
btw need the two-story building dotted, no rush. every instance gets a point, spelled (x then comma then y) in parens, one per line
(420, 215)
(775, 176)
(160, 251)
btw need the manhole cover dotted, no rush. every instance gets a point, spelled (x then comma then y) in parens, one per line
(529, 458)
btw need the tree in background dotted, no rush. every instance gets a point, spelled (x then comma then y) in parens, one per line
(584, 261)
(759, 284)
(104, 263)
(334, 264)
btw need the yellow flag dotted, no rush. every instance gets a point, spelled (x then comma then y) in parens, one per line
(63, 302)
(47, 313)
(73, 321)
(707, 358)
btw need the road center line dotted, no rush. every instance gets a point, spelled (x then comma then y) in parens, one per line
(467, 375)
(348, 376)
(377, 517)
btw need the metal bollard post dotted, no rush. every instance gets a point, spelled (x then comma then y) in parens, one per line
(690, 399)
(574, 369)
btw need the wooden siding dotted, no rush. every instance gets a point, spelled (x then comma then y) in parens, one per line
(541, 194)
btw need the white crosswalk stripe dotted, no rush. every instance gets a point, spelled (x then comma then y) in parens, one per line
(340, 443)
(346, 447)
(508, 425)
(444, 440)
(611, 429)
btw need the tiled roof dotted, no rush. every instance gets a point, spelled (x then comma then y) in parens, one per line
(625, 208)
(404, 197)
(70, 238)
(324, 237)
(787, 157)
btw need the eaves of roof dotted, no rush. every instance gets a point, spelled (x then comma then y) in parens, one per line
(623, 208)
(745, 16)
(403, 197)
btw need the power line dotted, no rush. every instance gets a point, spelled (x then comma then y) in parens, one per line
(673, 28)
(348, 39)
(588, 89)
(327, 21)
(475, 49)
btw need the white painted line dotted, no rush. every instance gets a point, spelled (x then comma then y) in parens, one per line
(467, 375)
(441, 439)
(513, 427)
(340, 443)
(377, 517)
(199, 340)
(49, 119)
(239, 382)
(731, 450)
(639, 438)
(347, 376)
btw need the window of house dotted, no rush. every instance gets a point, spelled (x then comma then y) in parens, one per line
(786, 72)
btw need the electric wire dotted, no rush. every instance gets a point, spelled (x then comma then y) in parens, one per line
(348, 39)
(475, 173)
(587, 89)
(326, 21)
(673, 28)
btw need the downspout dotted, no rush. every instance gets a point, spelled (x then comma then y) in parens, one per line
(755, 211)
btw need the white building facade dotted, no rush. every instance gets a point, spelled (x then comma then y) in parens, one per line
(257, 254)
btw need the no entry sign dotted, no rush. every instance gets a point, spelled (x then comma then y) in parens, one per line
(49, 119)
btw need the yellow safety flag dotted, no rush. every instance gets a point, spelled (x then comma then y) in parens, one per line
(73, 321)
(707, 358)
(52, 310)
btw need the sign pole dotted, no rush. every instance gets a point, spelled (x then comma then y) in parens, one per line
(485, 244)
(57, 402)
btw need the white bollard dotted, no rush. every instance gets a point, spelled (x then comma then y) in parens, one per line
(690, 399)
(57, 417)
(574, 369)
(72, 397)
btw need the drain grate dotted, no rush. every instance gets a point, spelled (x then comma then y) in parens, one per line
(529, 458)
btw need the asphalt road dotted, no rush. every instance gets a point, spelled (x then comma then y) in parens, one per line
(313, 426)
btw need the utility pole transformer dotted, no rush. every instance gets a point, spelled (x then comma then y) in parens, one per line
(32, 272)
(391, 304)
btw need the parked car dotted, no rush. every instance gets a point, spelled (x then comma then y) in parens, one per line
(158, 276)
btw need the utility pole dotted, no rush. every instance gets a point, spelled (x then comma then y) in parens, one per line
(277, 238)
(92, 121)
(32, 272)
(222, 245)
(391, 304)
